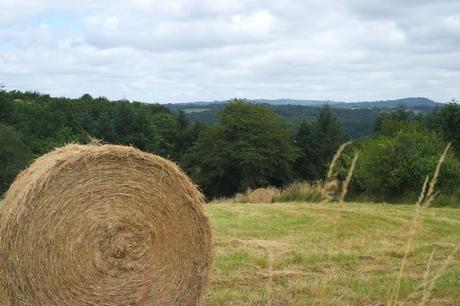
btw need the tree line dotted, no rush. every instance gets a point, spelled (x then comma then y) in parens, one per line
(355, 122)
(249, 145)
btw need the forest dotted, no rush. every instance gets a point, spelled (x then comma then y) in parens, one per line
(245, 144)
(357, 119)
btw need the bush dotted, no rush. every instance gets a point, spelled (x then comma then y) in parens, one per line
(300, 192)
(392, 168)
(445, 200)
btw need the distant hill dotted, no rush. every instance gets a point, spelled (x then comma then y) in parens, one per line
(418, 102)
(357, 118)
(298, 102)
(412, 102)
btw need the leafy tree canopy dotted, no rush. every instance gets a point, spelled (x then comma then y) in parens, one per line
(14, 155)
(392, 167)
(248, 148)
(446, 121)
(318, 142)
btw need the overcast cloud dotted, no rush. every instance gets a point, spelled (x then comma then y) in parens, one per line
(188, 50)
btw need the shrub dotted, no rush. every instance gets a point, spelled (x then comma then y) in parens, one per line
(301, 192)
(392, 168)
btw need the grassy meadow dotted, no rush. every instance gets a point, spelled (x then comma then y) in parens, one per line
(311, 254)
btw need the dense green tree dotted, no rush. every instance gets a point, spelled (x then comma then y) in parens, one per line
(14, 155)
(328, 135)
(248, 148)
(247, 144)
(355, 123)
(446, 120)
(394, 167)
(6, 108)
(318, 142)
(187, 134)
(166, 132)
(210, 164)
(47, 122)
(132, 126)
(391, 122)
(104, 127)
(307, 165)
(86, 97)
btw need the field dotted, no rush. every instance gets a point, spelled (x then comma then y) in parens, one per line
(307, 254)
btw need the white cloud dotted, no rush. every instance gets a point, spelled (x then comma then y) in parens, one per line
(204, 50)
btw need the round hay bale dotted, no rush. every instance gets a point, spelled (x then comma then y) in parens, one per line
(263, 195)
(103, 225)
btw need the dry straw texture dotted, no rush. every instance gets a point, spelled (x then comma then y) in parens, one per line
(263, 195)
(331, 184)
(103, 225)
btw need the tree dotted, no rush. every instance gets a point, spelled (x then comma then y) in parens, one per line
(6, 108)
(447, 121)
(104, 127)
(390, 123)
(394, 167)
(318, 142)
(14, 155)
(187, 134)
(166, 132)
(133, 126)
(46, 122)
(248, 148)
(210, 164)
(86, 97)
(307, 166)
(328, 136)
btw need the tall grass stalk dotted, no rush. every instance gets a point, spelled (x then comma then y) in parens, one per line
(426, 274)
(430, 194)
(330, 185)
(430, 285)
(424, 200)
(348, 179)
(335, 158)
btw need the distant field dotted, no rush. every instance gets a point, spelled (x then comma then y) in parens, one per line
(306, 254)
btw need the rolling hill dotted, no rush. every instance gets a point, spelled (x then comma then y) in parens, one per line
(411, 102)
(357, 118)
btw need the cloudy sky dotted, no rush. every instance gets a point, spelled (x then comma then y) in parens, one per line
(188, 50)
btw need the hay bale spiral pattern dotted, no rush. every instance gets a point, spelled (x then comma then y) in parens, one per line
(103, 225)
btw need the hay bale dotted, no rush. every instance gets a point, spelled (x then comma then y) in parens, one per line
(263, 195)
(103, 225)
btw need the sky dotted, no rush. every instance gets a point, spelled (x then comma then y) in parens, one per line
(190, 50)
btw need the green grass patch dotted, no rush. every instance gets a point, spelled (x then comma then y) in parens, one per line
(307, 254)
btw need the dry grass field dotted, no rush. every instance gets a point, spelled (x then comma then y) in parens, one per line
(309, 254)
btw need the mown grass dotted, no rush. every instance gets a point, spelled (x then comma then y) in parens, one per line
(310, 254)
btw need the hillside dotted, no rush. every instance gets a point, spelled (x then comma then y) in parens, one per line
(411, 102)
(357, 119)
(306, 254)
